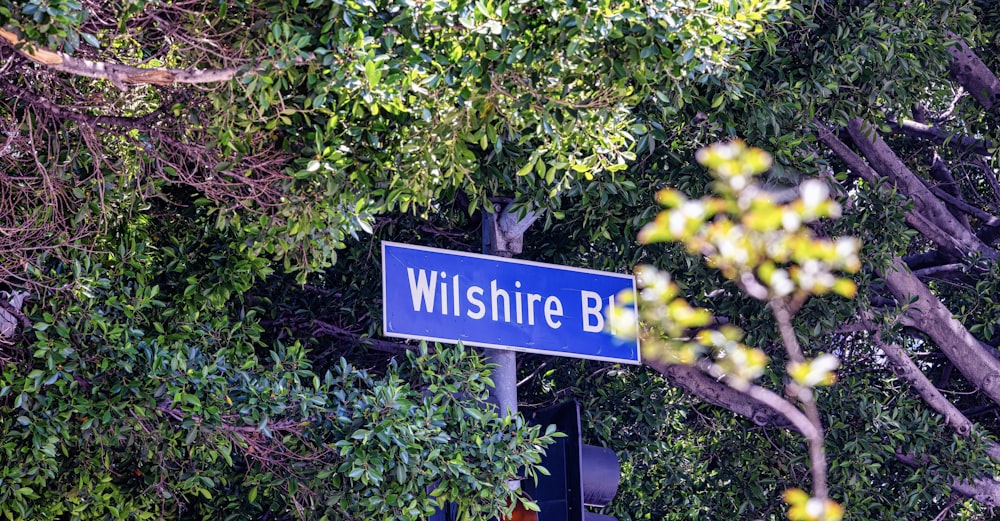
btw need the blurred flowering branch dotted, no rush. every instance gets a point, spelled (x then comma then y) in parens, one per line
(760, 240)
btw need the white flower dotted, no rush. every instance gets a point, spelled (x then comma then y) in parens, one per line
(846, 250)
(815, 276)
(738, 182)
(656, 285)
(790, 220)
(623, 321)
(781, 284)
(730, 247)
(693, 209)
(677, 223)
(813, 193)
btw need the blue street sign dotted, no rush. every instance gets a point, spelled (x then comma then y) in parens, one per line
(480, 300)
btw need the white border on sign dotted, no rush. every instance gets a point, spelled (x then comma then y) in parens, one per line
(505, 259)
(549, 352)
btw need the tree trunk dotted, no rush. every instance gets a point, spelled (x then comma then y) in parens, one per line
(970, 71)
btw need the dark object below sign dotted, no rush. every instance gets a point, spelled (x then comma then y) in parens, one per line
(580, 474)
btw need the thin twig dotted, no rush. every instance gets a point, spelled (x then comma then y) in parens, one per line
(817, 455)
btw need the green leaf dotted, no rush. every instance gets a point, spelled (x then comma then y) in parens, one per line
(526, 169)
(373, 73)
(90, 39)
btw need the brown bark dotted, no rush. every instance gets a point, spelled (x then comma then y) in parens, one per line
(970, 71)
(116, 73)
(929, 216)
(926, 313)
(716, 392)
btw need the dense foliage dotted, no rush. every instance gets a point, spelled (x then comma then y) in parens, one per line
(190, 244)
(167, 167)
(147, 402)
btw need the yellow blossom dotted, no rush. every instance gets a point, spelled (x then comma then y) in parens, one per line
(818, 371)
(805, 508)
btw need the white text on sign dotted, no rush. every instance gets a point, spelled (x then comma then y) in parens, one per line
(434, 292)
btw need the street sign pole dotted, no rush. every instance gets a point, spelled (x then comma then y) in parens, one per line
(503, 236)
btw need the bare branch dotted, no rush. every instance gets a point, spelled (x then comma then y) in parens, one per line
(950, 110)
(940, 171)
(859, 167)
(990, 175)
(987, 218)
(326, 328)
(905, 368)
(716, 392)
(929, 315)
(951, 271)
(782, 312)
(984, 490)
(60, 112)
(117, 73)
(844, 152)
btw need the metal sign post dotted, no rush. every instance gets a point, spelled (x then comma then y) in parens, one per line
(503, 236)
(507, 305)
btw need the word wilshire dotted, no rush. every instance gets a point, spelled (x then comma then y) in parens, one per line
(528, 307)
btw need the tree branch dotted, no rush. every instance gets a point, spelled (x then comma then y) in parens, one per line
(716, 392)
(987, 218)
(939, 136)
(929, 315)
(905, 368)
(930, 216)
(118, 74)
(854, 162)
(947, 184)
(60, 112)
(783, 317)
(953, 271)
(973, 74)
(984, 490)
(990, 175)
(930, 259)
(858, 166)
(323, 327)
(10, 313)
